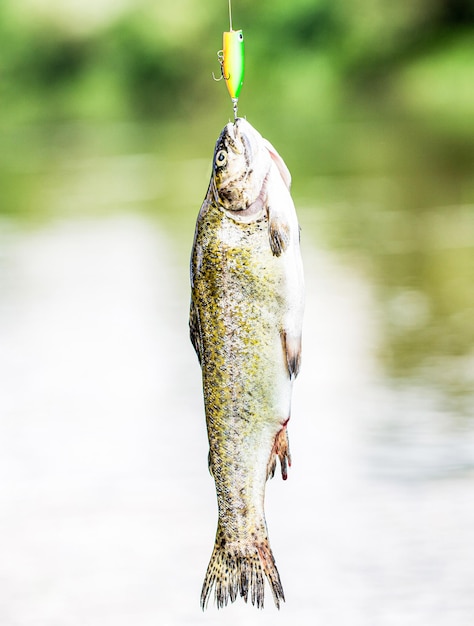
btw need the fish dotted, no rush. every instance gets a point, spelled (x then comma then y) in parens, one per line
(245, 322)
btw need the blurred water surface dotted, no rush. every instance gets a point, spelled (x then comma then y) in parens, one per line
(107, 511)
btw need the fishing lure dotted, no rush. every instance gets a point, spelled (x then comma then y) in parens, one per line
(231, 59)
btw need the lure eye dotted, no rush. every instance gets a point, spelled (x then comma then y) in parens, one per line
(221, 158)
(241, 36)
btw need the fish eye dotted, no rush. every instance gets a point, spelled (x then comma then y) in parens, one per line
(221, 158)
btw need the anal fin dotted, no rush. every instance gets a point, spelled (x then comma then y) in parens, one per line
(281, 450)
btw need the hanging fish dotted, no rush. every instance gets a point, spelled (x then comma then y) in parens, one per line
(247, 298)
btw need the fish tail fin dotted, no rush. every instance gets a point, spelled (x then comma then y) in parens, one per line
(238, 569)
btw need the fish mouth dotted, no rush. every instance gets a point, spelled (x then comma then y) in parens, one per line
(231, 138)
(237, 139)
(244, 138)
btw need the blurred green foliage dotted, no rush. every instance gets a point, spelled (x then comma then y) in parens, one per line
(371, 103)
(149, 60)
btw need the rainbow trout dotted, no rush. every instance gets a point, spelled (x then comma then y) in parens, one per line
(245, 324)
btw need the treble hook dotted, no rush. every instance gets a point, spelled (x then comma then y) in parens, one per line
(220, 58)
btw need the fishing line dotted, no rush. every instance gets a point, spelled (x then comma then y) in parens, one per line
(230, 15)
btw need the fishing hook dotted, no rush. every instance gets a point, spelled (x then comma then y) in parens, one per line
(220, 58)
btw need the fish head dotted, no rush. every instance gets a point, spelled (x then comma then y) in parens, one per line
(240, 166)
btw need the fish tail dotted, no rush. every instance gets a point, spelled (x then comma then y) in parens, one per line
(236, 569)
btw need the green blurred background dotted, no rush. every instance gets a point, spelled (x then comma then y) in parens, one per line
(110, 106)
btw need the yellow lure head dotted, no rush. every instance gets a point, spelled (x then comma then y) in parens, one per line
(233, 62)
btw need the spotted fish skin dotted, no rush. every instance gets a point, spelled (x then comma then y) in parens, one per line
(245, 324)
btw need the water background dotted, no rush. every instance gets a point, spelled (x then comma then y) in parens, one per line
(107, 510)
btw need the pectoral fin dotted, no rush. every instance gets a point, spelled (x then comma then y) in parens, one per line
(280, 209)
(279, 234)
